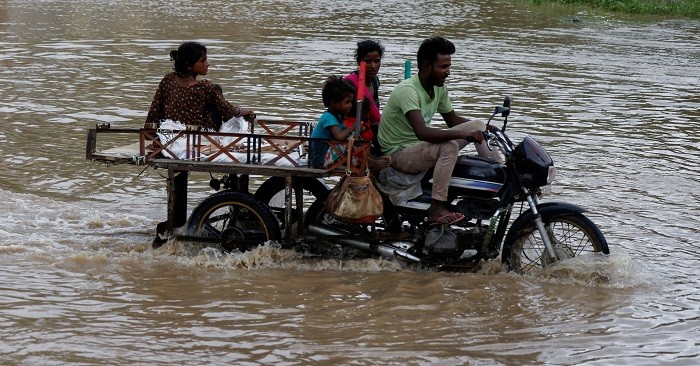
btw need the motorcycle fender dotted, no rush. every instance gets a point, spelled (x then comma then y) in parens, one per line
(546, 210)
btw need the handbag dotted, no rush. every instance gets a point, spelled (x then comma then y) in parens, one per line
(355, 199)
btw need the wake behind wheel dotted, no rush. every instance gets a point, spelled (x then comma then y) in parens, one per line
(234, 219)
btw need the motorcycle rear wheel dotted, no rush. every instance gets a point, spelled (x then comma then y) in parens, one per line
(236, 219)
(571, 235)
(271, 193)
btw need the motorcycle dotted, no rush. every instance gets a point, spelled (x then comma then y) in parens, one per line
(486, 192)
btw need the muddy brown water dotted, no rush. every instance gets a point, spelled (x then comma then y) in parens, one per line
(614, 100)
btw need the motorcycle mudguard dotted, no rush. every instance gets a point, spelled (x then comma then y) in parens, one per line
(547, 210)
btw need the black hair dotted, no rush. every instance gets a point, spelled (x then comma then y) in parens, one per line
(186, 56)
(432, 47)
(335, 89)
(367, 46)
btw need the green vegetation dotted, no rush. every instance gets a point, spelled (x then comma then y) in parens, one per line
(674, 8)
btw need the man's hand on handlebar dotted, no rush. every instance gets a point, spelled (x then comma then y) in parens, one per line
(474, 136)
(492, 128)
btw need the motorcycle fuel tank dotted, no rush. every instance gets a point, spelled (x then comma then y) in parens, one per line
(476, 177)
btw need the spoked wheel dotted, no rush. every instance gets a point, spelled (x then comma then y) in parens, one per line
(271, 193)
(235, 219)
(571, 235)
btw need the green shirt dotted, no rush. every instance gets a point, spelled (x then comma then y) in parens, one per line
(395, 130)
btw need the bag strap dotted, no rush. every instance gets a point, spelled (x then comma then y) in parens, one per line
(348, 169)
(351, 142)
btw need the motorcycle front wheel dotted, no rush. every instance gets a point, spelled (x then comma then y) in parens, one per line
(234, 219)
(571, 235)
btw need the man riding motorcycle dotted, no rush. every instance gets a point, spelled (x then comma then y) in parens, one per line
(414, 146)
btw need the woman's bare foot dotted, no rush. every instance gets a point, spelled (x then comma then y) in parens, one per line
(378, 163)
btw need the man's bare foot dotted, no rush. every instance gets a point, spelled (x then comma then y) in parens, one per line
(439, 214)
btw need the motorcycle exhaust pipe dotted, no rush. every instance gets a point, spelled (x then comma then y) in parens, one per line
(343, 238)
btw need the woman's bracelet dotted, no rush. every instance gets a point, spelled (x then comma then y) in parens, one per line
(237, 111)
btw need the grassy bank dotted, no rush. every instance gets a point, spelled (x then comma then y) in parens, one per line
(674, 8)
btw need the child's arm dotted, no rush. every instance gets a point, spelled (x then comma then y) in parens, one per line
(340, 135)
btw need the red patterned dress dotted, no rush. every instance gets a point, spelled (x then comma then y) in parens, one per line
(191, 105)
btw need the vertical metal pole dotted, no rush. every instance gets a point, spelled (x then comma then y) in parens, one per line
(91, 143)
(299, 193)
(288, 209)
(176, 187)
(177, 198)
(170, 188)
(360, 97)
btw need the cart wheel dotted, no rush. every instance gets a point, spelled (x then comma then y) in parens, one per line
(271, 193)
(237, 218)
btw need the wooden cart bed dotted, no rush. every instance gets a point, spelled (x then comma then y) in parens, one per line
(273, 148)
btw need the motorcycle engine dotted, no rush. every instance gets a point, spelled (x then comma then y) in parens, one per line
(441, 240)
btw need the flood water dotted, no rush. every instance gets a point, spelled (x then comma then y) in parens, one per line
(614, 100)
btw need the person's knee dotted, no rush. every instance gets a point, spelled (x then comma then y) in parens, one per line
(450, 148)
(475, 124)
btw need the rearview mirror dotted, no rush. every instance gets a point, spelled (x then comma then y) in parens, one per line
(506, 105)
(503, 110)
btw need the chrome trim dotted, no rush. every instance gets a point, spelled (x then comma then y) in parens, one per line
(551, 174)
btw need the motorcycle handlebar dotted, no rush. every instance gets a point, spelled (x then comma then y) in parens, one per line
(494, 134)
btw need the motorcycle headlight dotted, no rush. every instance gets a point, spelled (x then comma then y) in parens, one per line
(551, 174)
